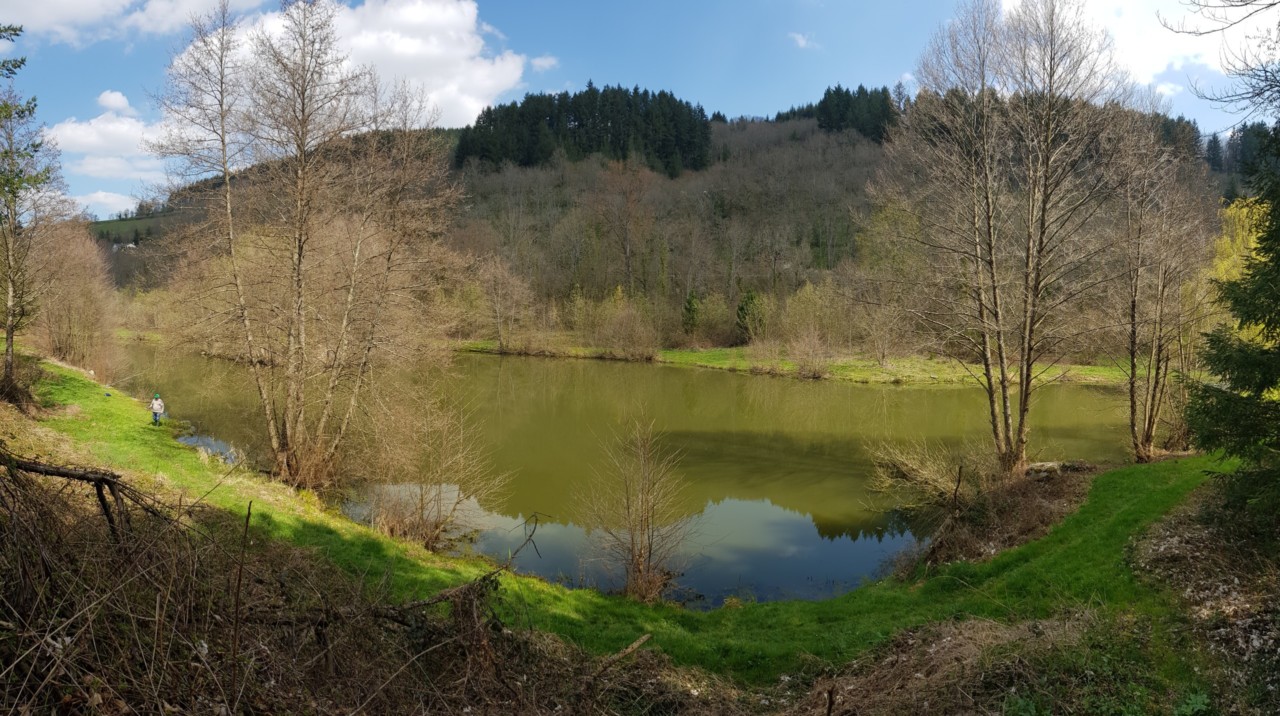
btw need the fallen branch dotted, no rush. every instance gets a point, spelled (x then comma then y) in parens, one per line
(612, 660)
(103, 482)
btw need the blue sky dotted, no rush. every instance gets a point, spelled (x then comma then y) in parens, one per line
(93, 64)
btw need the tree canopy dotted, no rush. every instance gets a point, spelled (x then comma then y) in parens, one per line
(869, 112)
(1240, 414)
(670, 134)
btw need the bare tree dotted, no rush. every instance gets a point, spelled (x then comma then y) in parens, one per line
(1164, 223)
(324, 249)
(32, 204)
(1002, 161)
(1255, 66)
(634, 511)
(77, 307)
(507, 298)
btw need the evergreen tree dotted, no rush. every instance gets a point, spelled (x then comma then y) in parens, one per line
(1240, 414)
(671, 135)
(1213, 153)
(869, 112)
(10, 66)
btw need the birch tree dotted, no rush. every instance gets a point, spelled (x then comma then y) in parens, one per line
(330, 193)
(1164, 223)
(1003, 162)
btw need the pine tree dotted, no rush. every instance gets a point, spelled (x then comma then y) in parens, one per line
(1213, 153)
(1240, 414)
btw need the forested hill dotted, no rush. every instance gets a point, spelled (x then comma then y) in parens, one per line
(869, 112)
(670, 134)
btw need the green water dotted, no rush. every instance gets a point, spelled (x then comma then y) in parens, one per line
(775, 470)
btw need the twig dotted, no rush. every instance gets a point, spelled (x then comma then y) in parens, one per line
(612, 660)
(235, 633)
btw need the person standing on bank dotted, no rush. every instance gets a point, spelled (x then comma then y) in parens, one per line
(157, 409)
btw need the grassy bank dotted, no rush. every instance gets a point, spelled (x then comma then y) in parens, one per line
(915, 370)
(1080, 565)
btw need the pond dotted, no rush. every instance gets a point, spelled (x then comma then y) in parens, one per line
(775, 471)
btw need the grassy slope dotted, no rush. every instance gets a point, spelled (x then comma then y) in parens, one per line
(914, 370)
(1081, 564)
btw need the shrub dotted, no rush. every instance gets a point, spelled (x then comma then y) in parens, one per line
(633, 512)
(624, 330)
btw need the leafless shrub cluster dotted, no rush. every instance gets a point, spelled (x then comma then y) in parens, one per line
(78, 305)
(621, 326)
(187, 610)
(810, 355)
(632, 512)
(433, 476)
(924, 474)
(712, 323)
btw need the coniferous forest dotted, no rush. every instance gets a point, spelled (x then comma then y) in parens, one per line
(670, 135)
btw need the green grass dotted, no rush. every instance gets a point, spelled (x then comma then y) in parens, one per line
(1079, 565)
(915, 370)
(124, 228)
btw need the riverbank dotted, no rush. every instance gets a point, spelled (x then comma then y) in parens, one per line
(1080, 565)
(911, 370)
(915, 370)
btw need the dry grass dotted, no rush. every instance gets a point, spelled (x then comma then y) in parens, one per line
(980, 513)
(188, 612)
(950, 668)
(1231, 592)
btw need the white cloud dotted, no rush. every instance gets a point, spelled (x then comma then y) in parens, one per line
(141, 169)
(1147, 48)
(111, 145)
(544, 63)
(109, 133)
(83, 21)
(114, 101)
(1169, 89)
(163, 17)
(438, 44)
(802, 41)
(105, 203)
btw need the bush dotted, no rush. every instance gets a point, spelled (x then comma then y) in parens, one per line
(634, 512)
(622, 329)
(809, 354)
(931, 475)
(752, 318)
(716, 321)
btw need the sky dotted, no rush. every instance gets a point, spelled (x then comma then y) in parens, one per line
(94, 65)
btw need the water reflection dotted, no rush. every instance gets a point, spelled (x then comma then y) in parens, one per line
(776, 470)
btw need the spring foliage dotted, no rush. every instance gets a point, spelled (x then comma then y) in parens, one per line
(1239, 414)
